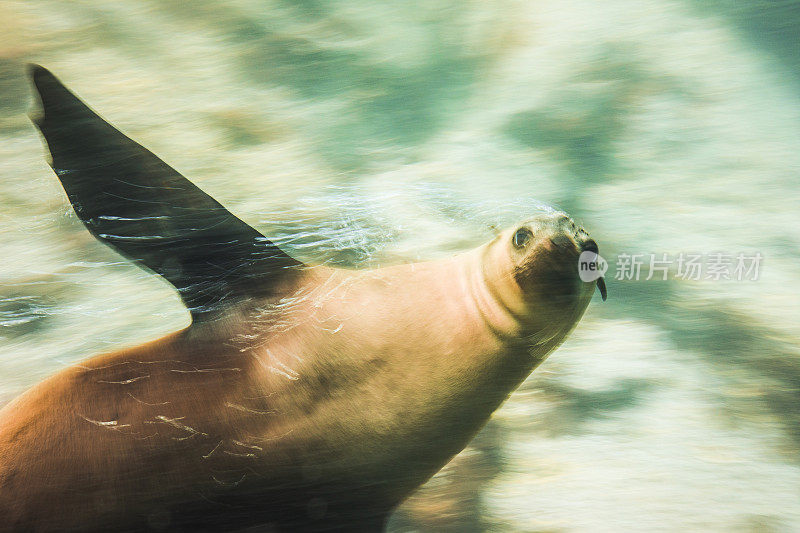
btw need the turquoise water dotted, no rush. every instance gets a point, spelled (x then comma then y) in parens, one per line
(370, 133)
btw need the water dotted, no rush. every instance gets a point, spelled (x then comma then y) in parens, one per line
(369, 133)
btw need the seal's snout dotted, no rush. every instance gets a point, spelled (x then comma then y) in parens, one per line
(564, 237)
(589, 245)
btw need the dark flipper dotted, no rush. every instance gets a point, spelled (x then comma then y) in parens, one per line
(134, 202)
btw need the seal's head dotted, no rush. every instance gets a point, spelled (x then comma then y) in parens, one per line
(532, 271)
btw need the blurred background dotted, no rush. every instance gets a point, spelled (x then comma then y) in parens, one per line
(371, 133)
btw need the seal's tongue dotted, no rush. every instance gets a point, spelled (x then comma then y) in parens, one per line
(601, 285)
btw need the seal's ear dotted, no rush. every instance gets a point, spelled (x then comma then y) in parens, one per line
(137, 204)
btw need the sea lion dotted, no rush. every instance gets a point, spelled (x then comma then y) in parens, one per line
(300, 397)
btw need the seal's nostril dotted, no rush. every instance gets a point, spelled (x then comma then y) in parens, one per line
(589, 246)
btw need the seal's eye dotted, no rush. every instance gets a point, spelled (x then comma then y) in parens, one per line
(521, 237)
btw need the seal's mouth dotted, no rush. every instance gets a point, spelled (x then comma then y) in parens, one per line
(552, 273)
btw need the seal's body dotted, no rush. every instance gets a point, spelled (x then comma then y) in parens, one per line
(299, 397)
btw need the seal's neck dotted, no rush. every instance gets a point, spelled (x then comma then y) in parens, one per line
(499, 301)
(501, 318)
